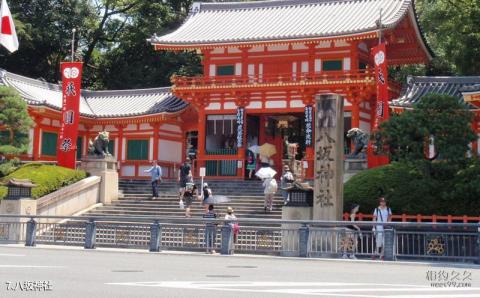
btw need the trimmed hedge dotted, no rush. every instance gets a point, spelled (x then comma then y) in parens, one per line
(409, 190)
(48, 178)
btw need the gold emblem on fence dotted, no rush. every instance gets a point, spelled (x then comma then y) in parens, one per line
(436, 246)
(264, 239)
(346, 244)
(59, 234)
(190, 237)
(122, 236)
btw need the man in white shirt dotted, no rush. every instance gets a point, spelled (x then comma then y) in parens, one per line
(381, 214)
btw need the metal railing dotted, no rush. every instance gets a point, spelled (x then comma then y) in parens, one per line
(405, 241)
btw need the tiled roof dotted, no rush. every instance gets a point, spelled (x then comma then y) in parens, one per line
(210, 23)
(417, 87)
(99, 104)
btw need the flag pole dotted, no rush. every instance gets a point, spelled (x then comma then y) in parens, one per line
(380, 27)
(73, 44)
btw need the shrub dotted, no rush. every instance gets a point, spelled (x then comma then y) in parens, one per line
(8, 167)
(48, 178)
(441, 189)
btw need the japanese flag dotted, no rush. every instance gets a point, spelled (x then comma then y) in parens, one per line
(8, 35)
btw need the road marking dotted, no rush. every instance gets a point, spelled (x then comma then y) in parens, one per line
(11, 255)
(315, 288)
(29, 266)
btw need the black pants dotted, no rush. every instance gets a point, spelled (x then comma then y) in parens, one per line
(155, 188)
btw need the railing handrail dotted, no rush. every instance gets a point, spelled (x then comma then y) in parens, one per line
(419, 217)
(271, 77)
(240, 221)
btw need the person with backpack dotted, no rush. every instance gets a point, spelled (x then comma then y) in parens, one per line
(270, 185)
(251, 163)
(156, 174)
(184, 176)
(189, 195)
(381, 214)
(210, 230)
(207, 193)
(286, 181)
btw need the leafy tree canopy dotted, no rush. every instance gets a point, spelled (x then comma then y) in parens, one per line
(14, 121)
(439, 116)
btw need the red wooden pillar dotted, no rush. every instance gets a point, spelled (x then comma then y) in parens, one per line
(355, 112)
(202, 135)
(120, 142)
(156, 127)
(36, 138)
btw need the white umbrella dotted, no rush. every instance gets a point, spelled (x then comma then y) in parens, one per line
(265, 173)
(255, 149)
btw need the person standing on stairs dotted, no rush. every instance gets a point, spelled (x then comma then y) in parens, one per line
(270, 185)
(156, 174)
(207, 193)
(189, 195)
(184, 176)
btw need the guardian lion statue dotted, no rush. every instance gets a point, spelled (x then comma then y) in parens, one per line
(360, 140)
(99, 146)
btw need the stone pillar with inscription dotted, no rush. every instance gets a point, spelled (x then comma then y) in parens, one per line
(328, 178)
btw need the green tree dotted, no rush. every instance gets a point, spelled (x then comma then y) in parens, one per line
(14, 118)
(451, 28)
(439, 116)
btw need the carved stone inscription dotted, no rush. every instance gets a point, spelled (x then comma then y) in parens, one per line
(328, 202)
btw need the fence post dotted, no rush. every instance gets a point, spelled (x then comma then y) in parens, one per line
(303, 235)
(478, 246)
(31, 231)
(227, 239)
(155, 236)
(389, 245)
(90, 234)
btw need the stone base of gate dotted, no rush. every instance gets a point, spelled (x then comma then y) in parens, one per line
(12, 230)
(291, 232)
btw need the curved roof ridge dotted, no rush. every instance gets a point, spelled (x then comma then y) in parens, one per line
(258, 4)
(119, 92)
(211, 23)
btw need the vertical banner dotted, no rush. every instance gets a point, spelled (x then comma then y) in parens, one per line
(381, 77)
(67, 140)
(308, 126)
(240, 126)
(382, 110)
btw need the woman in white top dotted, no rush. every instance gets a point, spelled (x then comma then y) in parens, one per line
(230, 216)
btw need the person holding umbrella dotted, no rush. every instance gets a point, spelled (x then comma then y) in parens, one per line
(270, 186)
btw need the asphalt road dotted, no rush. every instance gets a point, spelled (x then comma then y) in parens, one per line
(74, 272)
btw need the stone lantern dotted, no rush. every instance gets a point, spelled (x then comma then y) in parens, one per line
(19, 189)
(18, 202)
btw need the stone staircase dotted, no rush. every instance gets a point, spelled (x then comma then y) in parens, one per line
(246, 199)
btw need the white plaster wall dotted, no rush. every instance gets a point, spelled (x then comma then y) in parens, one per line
(276, 104)
(169, 151)
(56, 123)
(30, 141)
(229, 106)
(296, 104)
(141, 171)
(128, 171)
(214, 106)
(145, 126)
(171, 127)
(255, 105)
(365, 126)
